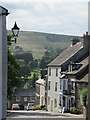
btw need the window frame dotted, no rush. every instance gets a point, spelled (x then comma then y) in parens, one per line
(55, 103)
(25, 99)
(49, 85)
(56, 72)
(56, 86)
(49, 71)
(17, 99)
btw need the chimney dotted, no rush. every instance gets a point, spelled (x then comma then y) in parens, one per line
(86, 41)
(74, 41)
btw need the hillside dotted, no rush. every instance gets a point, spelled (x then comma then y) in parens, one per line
(36, 42)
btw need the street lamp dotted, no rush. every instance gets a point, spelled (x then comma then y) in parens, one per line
(15, 31)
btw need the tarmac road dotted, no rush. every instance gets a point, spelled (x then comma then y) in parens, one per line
(41, 115)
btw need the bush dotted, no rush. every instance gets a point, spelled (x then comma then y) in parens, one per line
(74, 110)
(38, 107)
(83, 96)
(43, 107)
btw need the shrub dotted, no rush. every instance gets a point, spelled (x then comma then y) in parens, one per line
(74, 110)
(83, 96)
(38, 107)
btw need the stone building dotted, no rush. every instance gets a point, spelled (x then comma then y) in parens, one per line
(23, 97)
(66, 74)
(40, 92)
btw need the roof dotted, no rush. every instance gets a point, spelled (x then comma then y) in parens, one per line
(84, 63)
(41, 81)
(24, 92)
(82, 73)
(66, 55)
(83, 79)
(4, 11)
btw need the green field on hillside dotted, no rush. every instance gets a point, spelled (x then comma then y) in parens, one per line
(36, 42)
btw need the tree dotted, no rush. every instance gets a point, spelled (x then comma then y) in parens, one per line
(34, 80)
(33, 64)
(13, 71)
(25, 71)
(83, 96)
(27, 57)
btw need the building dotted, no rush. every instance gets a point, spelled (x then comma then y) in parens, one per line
(40, 92)
(23, 97)
(65, 74)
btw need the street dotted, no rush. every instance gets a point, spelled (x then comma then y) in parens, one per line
(33, 115)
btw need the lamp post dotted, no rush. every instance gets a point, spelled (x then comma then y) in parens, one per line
(15, 31)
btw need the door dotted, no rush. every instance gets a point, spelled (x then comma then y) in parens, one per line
(51, 105)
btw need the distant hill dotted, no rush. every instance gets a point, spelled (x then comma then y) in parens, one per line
(36, 42)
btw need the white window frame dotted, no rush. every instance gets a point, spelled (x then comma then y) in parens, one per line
(25, 99)
(55, 86)
(17, 99)
(49, 71)
(49, 85)
(56, 72)
(32, 99)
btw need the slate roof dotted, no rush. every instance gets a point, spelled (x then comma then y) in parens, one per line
(24, 92)
(66, 55)
(40, 81)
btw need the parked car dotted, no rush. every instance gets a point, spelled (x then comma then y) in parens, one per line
(15, 107)
(31, 106)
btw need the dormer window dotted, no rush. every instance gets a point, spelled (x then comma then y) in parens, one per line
(73, 66)
(70, 66)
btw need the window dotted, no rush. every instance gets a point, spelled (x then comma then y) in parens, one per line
(49, 82)
(17, 99)
(49, 71)
(60, 84)
(64, 101)
(32, 99)
(60, 102)
(48, 100)
(25, 99)
(72, 102)
(64, 84)
(55, 103)
(56, 71)
(55, 86)
(71, 85)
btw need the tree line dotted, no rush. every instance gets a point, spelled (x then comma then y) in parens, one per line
(24, 69)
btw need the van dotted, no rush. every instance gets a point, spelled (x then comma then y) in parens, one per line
(15, 107)
(31, 106)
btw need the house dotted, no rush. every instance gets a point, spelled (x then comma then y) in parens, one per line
(40, 92)
(23, 97)
(65, 73)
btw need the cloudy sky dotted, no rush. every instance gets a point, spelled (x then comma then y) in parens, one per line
(51, 16)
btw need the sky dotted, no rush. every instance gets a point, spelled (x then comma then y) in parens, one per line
(50, 16)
